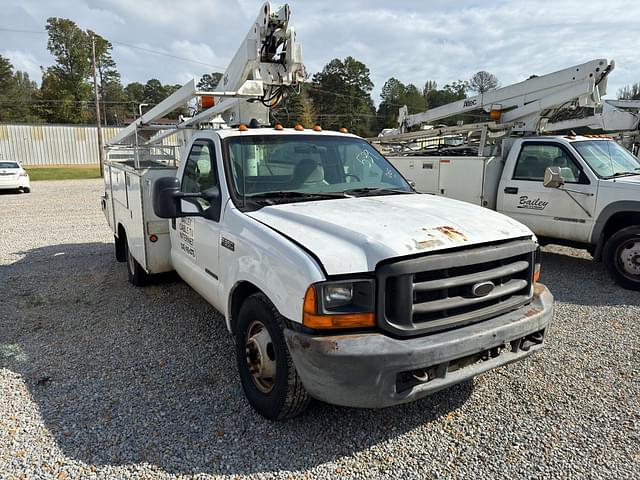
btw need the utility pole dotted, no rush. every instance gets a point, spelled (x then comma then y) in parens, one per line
(95, 88)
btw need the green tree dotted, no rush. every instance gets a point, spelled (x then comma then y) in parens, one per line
(66, 83)
(393, 92)
(109, 87)
(295, 108)
(209, 81)
(341, 96)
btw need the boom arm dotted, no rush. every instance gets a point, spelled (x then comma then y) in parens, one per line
(526, 103)
(268, 61)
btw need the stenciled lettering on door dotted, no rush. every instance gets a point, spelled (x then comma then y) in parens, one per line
(532, 203)
(185, 228)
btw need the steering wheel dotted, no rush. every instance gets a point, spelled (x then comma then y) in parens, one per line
(346, 175)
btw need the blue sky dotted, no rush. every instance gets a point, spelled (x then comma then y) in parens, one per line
(411, 40)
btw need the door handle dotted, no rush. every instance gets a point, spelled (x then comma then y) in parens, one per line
(511, 190)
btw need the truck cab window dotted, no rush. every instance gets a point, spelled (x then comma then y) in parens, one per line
(534, 160)
(199, 172)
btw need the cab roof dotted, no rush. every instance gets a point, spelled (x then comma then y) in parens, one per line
(236, 132)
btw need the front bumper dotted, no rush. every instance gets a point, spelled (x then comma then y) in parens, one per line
(369, 370)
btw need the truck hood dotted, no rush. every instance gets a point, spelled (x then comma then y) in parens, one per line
(352, 235)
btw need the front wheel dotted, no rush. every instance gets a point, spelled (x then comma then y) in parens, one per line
(268, 375)
(622, 257)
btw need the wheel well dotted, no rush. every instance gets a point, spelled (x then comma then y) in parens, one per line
(121, 244)
(618, 221)
(239, 295)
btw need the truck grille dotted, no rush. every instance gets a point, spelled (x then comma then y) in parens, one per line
(436, 292)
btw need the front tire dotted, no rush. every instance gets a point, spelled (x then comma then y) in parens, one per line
(622, 257)
(137, 275)
(268, 375)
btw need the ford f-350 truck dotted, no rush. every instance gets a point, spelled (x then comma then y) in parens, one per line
(337, 280)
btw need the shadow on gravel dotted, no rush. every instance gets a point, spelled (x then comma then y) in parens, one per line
(123, 375)
(582, 281)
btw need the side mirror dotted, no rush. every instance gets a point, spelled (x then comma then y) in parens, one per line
(212, 195)
(552, 177)
(165, 196)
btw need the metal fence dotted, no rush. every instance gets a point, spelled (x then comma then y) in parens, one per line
(55, 144)
(52, 144)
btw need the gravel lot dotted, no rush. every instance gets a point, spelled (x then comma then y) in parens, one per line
(101, 379)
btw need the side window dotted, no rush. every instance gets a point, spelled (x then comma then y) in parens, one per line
(534, 160)
(199, 172)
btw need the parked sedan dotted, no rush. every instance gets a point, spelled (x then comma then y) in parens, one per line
(13, 176)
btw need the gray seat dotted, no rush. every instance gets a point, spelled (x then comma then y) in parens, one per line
(307, 171)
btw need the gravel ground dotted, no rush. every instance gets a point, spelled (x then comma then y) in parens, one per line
(101, 379)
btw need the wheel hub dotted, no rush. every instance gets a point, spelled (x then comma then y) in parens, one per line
(630, 257)
(260, 356)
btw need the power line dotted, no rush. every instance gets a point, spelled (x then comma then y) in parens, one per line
(144, 49)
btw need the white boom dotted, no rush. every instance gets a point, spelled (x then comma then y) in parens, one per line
(527, 105)
(268, 60)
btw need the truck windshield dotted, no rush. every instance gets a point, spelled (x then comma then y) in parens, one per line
(268, 169)
(607, 158)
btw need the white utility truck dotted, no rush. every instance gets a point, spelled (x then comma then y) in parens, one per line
(336, 279)
(576, 190)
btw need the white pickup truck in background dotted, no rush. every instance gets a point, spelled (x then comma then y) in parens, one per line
(576, 190)
(337, 280)
(589, 199)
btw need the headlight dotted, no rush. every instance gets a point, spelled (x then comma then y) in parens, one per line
(341, 304)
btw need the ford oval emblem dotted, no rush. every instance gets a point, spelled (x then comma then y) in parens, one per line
(482, 289)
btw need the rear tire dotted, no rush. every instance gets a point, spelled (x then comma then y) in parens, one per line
(622, 257)
(137, 275)
(268, 375)
(26, 190)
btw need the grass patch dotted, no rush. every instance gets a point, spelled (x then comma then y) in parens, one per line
(63, 173)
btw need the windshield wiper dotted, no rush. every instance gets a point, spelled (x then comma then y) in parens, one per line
(375, 191)
(622, 174)
(272, 197)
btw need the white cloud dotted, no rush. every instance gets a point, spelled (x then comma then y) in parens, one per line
(24, 62)
(412, 40)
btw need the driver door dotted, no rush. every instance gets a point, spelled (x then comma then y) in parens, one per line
(549, 212)
(196, 239)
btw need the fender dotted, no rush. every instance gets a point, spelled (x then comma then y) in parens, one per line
(597, 234)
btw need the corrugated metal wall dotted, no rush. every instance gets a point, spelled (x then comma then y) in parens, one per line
(52, 144)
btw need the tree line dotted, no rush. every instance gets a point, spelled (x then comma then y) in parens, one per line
(337, 96)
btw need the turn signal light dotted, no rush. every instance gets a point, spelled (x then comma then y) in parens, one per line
(495, 115)
(343, 130)
(311, 319)
(317, 128)
(207, 101)
(243, 127)
(153, 238)
(278, 126)
(298, 127)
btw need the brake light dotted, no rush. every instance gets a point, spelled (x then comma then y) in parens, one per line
(24, 174)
